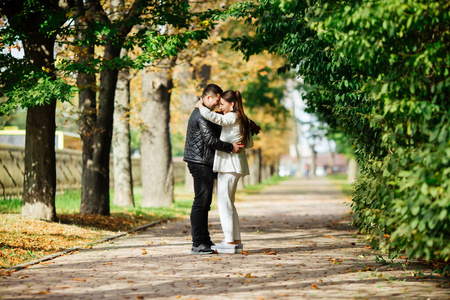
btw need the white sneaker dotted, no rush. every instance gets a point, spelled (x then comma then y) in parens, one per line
(224, 247)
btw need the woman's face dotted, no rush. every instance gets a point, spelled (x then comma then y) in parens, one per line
(225, 106)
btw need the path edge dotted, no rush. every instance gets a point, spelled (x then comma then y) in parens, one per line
(66, 251)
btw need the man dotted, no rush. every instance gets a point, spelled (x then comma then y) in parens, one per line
(202, 139)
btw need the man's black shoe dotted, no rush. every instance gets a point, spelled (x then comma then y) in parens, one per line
(202, 249)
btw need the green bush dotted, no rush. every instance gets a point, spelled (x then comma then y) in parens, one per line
(403, 199)
(378, 71)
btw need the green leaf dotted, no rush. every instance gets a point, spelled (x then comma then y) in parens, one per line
(415, 210)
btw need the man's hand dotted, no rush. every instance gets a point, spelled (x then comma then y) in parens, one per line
(237, 147)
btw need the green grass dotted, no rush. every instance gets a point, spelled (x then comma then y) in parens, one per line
(69, 203)
(10, 206)
(256, 188)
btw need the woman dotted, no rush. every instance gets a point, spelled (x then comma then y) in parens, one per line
(230, 166)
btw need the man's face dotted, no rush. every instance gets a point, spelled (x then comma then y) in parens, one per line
(211, 101)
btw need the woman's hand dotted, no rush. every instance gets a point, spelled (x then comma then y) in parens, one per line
(199, 103)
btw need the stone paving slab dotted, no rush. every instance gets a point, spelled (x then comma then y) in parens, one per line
(298, 245)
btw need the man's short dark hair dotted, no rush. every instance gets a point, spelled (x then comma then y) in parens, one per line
(212, 90)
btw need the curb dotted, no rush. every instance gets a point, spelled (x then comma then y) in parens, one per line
(55, 255)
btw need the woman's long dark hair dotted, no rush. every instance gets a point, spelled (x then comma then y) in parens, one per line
(238, 108)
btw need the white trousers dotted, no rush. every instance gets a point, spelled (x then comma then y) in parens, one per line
(226, 191)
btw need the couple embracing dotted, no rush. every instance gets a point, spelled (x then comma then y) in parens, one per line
(214, 149)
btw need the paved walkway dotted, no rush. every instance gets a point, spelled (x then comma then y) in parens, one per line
(298, 246)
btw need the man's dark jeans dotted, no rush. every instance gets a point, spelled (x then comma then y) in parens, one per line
(203, 176)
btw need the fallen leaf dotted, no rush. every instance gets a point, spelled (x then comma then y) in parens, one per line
(24, 276)
(368, 268)
(328, 236)
(249, 275)
(367, 247)
(214, 258)
(44, 292)
(314, 286)
(144, 252)
(78, 279)
(335, 261)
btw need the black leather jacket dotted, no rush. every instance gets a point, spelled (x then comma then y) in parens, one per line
(202, 138)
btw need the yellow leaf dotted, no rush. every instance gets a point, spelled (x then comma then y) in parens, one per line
(44, 292)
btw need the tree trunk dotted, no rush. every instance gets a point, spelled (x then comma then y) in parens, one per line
(156, 152)
(331, 159)
(352, 169)
(123, 181)
(86, 82)
(188, 98)
(40, 167)
(95, 192)
(298, 152)
(40, 164)
(314, 161)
